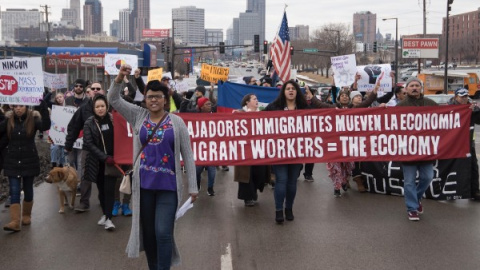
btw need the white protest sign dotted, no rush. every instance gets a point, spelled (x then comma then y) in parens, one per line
(344, 69)
(113, 62)
(56, 81)
(181, 86)
(21, 81)
(369, 75)
(60, 118)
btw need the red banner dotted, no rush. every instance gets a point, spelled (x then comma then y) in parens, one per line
(122, 140)
(327, 135)
(155, 33)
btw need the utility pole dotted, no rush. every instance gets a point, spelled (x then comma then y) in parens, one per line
(48, 24)
(424, 31)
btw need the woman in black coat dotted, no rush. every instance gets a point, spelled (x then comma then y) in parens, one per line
(21, 162)
(98, 141)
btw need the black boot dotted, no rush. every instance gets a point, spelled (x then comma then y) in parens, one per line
(54, 164)
(289, 214)
(279, 217)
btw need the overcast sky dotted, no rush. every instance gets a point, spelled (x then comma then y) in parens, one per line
(315, 13)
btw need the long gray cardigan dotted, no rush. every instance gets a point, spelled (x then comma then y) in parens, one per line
(135, 115)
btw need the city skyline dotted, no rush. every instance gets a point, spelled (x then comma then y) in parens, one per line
(311, 13)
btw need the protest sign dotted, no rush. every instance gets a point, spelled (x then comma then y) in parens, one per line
(60, 117)
(369, 75)
(155, 74)
(21, 81)
(113, 62)
(214, 74)
(55, 81)
(312, 136)
(344, 69)
(451, 178)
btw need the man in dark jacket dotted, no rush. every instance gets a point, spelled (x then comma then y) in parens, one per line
(413, 193)
(77, 156)
(79, 97)
(461, 97)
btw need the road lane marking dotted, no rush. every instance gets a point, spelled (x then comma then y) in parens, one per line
(226, 259)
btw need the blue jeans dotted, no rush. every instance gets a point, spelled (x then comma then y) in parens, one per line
(211, 170)
(286, 184)
(16, 187)
(157, 215)
(413, 191)
(57, 154)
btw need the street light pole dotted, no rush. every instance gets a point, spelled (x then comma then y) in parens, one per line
(396, 47)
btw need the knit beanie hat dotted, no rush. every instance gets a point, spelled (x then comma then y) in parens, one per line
(341, 92)
(411, 79)
(247, 79)
(80, 81)
(201, 101)
(201, 89)
(354, 94)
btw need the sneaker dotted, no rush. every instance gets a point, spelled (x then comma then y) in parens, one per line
(210, 192)
(102, 220)
(225, 168)
(249, 203)
(116, 207)
(126, 211)
(81, 209)
(336, 193)
(79, 193)
(420, 207)
(413, 216)
(308, 178)
(344, 187)
(109, 225)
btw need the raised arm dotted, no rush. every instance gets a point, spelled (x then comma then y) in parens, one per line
(128, 110)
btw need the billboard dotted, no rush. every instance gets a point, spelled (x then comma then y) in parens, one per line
(155, 33)
(420, 47)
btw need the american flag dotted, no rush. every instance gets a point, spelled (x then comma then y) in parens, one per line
(280, 51)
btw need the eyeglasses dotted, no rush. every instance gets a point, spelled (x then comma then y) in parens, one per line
(78, 85)
(156, 97)
(96, 89)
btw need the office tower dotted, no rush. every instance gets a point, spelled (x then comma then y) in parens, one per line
(92, 17)
(189, 25)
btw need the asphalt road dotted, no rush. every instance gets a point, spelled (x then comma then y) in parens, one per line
(356, 231)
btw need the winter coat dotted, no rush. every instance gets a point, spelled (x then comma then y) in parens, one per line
(136, 115)
(92, 142)
(76, 123)
(20, 154)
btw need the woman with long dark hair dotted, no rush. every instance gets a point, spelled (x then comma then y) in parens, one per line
(286, 175)
(21, 163)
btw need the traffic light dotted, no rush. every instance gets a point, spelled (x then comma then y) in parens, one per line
(449, 7)
(291, 50)
(265, 47)
(256, 43)
(364, 47)
(222, 47)
(374, 46)
(168, 49)
(188, 67)
(169, 66)
(163, 46)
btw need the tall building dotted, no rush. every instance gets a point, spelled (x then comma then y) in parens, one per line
(189, 25)
(140, 19)
(248, 27)
(365, 27)
(124, 25)
(92, 17)
(213, 36)
(463, 36)
(258, 6)
(71, 16)
(236, 31)
(299, 32)
(114, 28)
(16, 18)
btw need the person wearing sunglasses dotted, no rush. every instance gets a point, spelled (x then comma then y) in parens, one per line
(76, 157)
(79, 97)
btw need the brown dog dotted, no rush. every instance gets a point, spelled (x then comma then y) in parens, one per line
(66, 180)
